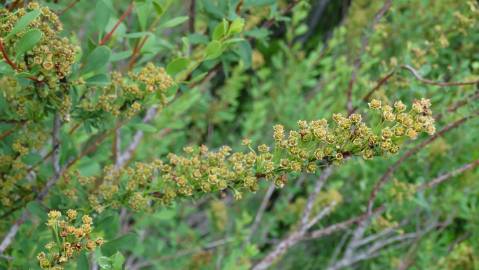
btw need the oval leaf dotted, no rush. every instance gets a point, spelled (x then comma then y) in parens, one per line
(23, 22)
(177, 65)
(28, 41)
(213, 50)
(97, 59)
(175, 21)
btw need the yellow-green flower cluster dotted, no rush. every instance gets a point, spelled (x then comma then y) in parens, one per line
(313, 144)
(51, 58)
(125, 93)
(71, 236)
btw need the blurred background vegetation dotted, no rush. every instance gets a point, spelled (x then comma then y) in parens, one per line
(297, 60)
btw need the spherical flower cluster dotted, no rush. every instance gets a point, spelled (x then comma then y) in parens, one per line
(153, 79)
(72, 236)
(52, 57)
(124, 94)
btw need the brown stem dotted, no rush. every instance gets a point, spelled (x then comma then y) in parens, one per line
(5, 56)
(120, 20)
(71, 5)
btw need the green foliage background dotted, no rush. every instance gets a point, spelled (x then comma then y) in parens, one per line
(288, 65)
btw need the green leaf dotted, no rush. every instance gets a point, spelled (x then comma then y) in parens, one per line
(145, 127)
(23, 22)
(37, 210)
(158, 8)
(99, 79)
(28, 41)
(102, 15)
(213, 50)
(177, 65)
(82, 262)
(220, 30)
(236, 26)
(174, 22)
(117, 261)
(104, 262)
(120, 55)
(97, 59)
(143, 10)
(125, 242)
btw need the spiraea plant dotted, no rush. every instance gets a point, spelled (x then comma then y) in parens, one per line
(160, 134)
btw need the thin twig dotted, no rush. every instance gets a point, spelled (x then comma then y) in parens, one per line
(294, 237)
(56, 143)
(120, 20)
(416, 74)
(380, 83)
(386, 176)
(341, 225)
(71, 5)
(128, 153)
(5, 56)
(8, 239)
(313, 196)
(261, 210)
(444, 177)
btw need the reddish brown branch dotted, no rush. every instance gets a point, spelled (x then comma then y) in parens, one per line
(71, 5)
(5, 56)
(120, 20)
(371, 92)
(136, 52)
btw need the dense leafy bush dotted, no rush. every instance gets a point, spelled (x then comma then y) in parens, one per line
(238, 134)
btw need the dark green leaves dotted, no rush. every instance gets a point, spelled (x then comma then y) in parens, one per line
(97, 59)
(28, 41)
(24, 22)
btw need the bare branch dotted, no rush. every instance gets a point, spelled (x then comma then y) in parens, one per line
(341, 225)
(313, 196)
(261, 210)
(294, 237)
(444, 177)
(56, 143)
(7, 240)
(416, 74)
(128, 153)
